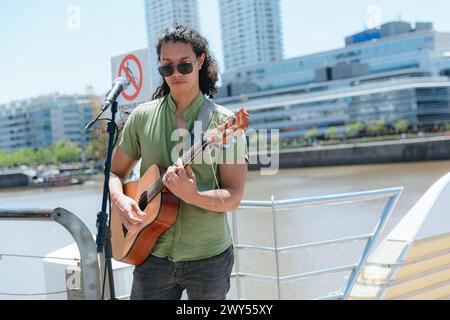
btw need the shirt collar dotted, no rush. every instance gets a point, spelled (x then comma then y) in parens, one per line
(192, 110)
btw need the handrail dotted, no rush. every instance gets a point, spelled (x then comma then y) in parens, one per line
(307, 245)
(90, 275)
(274, 207)
(323, 200)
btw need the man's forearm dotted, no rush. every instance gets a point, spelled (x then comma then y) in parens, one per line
(115, 185)
(220, 200)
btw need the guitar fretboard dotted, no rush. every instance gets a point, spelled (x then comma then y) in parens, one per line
(158, 185)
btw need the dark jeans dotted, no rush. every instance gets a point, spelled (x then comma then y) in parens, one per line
(204, 279)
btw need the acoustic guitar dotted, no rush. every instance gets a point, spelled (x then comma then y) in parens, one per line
(132, 245)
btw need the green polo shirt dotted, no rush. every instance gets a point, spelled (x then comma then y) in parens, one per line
(147, 134)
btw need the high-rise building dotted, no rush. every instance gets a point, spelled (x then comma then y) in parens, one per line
(251, 32)
(161, 14)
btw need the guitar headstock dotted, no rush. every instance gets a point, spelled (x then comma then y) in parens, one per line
(234, 126)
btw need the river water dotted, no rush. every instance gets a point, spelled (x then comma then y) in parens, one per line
(21, 275)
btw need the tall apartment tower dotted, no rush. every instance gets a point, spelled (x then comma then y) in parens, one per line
(251, 32)
(161, 14)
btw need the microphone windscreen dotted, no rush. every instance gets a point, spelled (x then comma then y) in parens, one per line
(124, 81)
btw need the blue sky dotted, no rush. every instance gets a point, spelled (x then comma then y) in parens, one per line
(40, 54)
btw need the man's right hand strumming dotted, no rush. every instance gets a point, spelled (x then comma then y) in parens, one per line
(129, 210)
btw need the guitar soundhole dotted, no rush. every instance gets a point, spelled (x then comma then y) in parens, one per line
(143, 201)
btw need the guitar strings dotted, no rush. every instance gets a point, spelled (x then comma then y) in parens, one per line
(158, 183)
(215, 177)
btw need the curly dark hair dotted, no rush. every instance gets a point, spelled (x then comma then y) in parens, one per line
(208, 73)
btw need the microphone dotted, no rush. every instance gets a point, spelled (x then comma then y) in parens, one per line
(119, 84)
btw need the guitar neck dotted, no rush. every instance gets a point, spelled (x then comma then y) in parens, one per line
(190, 155)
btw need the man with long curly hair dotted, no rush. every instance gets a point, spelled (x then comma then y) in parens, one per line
(196, 253)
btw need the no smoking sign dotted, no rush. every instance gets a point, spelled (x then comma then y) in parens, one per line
(131, 68)
(133, 65)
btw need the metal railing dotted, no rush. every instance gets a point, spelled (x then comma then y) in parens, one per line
(90, 275)
(392, 194)
(89, 259)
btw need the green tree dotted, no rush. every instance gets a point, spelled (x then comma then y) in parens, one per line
(353, 128)
(66, 151)
(96, 149)
(46, 155)
(331, 132)
(447, 126)
(401, 126)
(3, 159)
(377, 127)
(28, 156)
(310, 134)
(24, 156)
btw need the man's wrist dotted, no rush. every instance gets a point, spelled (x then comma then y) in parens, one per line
(114, 195)
(194, 199)
(122, 181)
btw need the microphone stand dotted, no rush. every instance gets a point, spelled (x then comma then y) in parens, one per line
(103, 240)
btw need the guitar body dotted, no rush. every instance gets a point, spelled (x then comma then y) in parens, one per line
(133, 245)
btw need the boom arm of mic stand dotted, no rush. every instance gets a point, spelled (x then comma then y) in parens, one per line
(104, 107)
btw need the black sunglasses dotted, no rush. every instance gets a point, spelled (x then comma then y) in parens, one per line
(183, 68)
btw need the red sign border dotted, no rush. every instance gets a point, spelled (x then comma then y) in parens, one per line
(138, 87)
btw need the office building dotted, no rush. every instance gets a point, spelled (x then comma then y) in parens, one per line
(392, 73)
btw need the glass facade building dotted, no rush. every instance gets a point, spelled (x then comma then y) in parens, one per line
(400, 74)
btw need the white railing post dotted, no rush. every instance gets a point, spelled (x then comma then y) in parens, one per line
(275, 237)
(237, 268)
